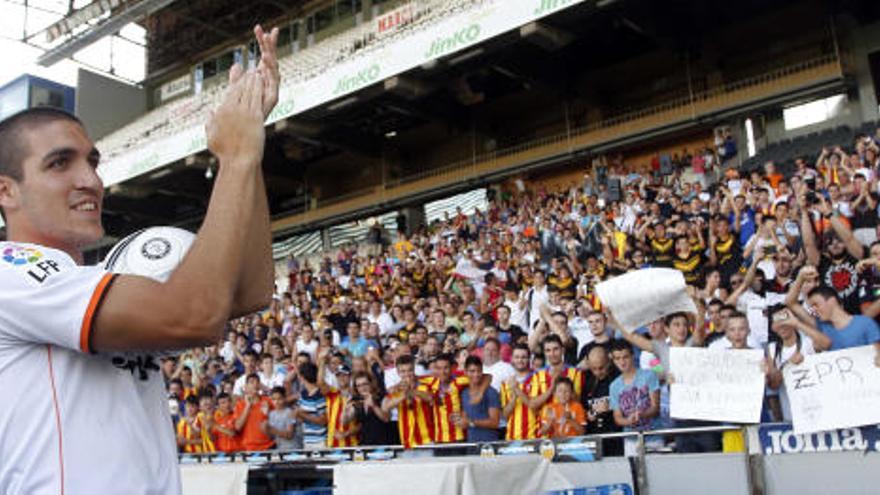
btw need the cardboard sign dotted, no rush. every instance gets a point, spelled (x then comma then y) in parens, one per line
(716, 385)
(830, 390)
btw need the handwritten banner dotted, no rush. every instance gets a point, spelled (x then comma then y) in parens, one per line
(838, 389)
(642, 296)
(716, 385)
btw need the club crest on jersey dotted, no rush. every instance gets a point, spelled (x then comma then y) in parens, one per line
(156, 248)
(39, 268)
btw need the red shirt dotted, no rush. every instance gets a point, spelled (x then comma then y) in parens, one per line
(251, 436)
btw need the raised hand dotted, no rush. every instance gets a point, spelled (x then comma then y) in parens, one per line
(235, 129)
(268, 67)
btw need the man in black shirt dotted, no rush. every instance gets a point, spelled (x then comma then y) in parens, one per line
(600, 417)
(840, 254)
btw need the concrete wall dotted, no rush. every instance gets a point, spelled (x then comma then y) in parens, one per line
(104, 105)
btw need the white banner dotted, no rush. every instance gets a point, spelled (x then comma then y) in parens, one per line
(214, 479)
(837, 389)
(442, 476)
(716, 385)
(642, 296)
(454, 34)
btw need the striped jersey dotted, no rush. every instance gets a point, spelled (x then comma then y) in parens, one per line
(542, 381)
(314, 434)
(523, 422)
(447, 402)
(414, 420)
(336, 403)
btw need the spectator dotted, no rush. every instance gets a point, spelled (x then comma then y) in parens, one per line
(413, 403)
(635, 394)
(249, 361)
(312, 410)
(521, 419)
(251, 415)
(843, 329)
(493, 365)
(281, 426)
(564, 416)
(189, 428)
(366, 408)
(223, 427)
(596, 401)
(481, 405)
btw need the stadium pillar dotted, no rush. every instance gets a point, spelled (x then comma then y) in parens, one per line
(864, 41)
(325, 240)
(410, 218)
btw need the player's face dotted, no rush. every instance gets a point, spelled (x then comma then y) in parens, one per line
(58, 201)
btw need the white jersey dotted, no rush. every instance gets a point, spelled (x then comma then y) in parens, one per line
(79, 422)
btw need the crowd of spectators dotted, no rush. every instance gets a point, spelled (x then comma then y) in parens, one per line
(487, 327)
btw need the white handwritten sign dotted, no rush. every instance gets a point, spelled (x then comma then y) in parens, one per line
(837, 389)
(716, 385)
(642, 296)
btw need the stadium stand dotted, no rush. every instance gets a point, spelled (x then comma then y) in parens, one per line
(184, 113)
(446, 240)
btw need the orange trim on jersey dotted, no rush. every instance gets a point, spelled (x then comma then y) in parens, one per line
(57, 415)
(85, 332)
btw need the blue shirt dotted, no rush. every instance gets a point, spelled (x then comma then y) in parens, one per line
(635, 396)
(314, 434)
(480, 410)
(747, 227)
(356, 348)
(860, 331)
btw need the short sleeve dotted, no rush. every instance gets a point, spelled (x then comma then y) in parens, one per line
(51, 301)
(506, 394)
(492, 398)
(872, 331)
(653, 381)
(613, 392)
(580, 416)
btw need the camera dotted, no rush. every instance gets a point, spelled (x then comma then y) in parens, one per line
(812, 198)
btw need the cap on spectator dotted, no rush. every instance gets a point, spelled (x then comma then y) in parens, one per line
(344, 369)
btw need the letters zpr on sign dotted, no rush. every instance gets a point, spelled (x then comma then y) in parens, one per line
(838, 389)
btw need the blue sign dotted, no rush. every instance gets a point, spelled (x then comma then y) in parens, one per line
(779, 438)
(615, 489)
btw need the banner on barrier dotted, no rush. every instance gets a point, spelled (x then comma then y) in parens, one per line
(615, 489)
(780, 438)
(830, 390)
(716, 385)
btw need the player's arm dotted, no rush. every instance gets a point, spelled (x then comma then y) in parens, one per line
(257, 271)
(192, 307)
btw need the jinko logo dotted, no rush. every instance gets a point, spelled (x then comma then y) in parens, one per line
(17, 255)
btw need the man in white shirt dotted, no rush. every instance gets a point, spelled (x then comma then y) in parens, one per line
(493, 365)
(536, 297)
(380, 317)
(90, 407)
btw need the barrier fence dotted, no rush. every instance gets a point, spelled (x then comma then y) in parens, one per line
(774, 460)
